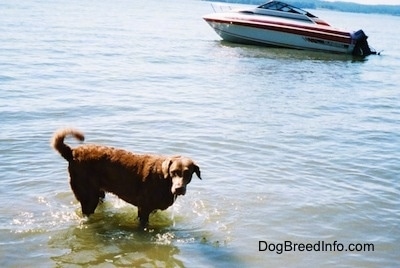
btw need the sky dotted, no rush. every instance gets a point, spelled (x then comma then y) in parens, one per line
(372, 2)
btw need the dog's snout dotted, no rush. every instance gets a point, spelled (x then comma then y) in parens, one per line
(180, 191)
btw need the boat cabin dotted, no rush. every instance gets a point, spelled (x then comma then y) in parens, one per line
(283, 10)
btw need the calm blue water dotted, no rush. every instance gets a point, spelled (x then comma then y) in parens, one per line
(293, 146)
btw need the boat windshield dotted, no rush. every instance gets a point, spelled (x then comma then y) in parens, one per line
(280, 6)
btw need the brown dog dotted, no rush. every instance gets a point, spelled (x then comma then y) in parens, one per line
(149, 182)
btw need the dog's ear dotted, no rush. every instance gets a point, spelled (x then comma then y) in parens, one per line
(165, 167)
(197, 170)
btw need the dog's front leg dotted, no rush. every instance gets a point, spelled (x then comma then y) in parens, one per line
(143, 214)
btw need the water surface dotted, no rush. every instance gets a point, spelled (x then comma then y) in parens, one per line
(293, 146)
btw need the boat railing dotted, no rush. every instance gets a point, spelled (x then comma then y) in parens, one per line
(221, 8)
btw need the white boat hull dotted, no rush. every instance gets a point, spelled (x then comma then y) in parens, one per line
(289, 37)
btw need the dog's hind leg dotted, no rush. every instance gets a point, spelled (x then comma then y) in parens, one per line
(89, 205)
(86, 195)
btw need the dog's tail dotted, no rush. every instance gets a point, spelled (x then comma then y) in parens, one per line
(58, 142)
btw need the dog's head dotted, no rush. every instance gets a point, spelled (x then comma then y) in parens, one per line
(179, 170)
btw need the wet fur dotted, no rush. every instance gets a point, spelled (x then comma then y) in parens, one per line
(149, 182)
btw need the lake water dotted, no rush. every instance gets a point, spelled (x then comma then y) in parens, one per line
(294, 147)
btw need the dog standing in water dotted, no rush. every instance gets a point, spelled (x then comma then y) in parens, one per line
(149, 182)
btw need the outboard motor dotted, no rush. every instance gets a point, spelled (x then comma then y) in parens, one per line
(361, 48)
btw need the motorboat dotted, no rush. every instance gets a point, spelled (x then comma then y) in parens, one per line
(282, 25)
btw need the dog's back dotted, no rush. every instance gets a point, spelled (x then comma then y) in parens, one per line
(104, 156)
